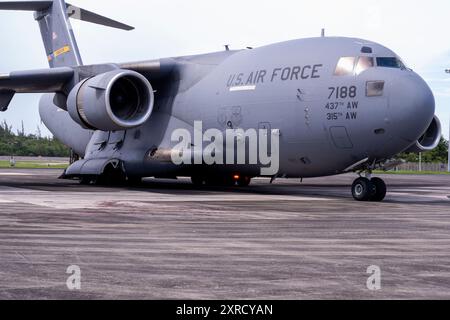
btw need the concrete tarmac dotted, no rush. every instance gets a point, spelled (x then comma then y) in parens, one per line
(170, 240)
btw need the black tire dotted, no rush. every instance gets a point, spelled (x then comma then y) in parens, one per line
(380, 190)
(362, 189)
(220, 181)
(86, 181)
(112, 176)
(134, 181)
(198, 181)
(244, 181)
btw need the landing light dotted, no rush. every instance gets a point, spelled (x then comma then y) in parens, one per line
(236, 177)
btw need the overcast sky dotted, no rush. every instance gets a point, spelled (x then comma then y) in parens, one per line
(416, 30)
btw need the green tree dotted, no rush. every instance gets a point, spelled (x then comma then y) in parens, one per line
(29, 145)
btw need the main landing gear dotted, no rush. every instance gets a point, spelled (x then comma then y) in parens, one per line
(223, 181)
(369, 189)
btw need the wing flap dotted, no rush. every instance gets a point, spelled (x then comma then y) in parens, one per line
(5, 99)
(36, 81)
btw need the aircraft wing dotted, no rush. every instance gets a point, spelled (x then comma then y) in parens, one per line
(35, 81)
(63, 79)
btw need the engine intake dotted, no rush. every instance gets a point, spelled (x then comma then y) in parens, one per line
(116, 100)
(430, 139)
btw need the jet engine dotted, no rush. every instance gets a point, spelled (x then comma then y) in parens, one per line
(115, 100)
(429, 140)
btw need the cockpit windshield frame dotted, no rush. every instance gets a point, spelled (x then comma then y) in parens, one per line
(353, 66)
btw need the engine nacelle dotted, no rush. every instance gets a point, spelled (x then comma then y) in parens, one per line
(430, 139)
(116, 100)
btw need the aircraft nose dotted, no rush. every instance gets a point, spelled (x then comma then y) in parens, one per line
(411, 107)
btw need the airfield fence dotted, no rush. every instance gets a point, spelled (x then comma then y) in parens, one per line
(415, 166)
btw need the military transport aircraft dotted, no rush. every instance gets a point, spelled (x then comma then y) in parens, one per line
(327, 106)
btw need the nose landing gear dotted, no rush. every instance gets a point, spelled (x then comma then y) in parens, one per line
(380, 190)
(365, 189)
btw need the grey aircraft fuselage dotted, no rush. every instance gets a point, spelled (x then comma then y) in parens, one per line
(327, 105)
(328, 119)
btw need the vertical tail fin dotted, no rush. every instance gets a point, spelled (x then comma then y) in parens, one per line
(57, 33)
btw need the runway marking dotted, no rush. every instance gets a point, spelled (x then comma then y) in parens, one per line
(16, 174)
(12, 190)
(134, 199)
(420, 190)
(419, 197)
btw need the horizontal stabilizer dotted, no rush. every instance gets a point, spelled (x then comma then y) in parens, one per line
(73, 12)
(84, 15)
(25, 5)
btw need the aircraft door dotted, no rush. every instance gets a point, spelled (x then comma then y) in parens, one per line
(340, 138)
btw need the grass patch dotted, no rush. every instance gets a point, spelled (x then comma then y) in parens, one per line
(32, 165)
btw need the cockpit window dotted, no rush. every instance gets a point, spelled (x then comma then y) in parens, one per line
(390, 62)
(363, 64)
(350, 66)
(345, 66)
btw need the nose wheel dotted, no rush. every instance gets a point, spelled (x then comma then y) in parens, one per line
(364, 189)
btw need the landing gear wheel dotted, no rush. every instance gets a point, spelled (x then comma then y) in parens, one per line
(198, 181)
(244, 181)
(380, 190)
(134, 181)
(86, 181)
(362, 189)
